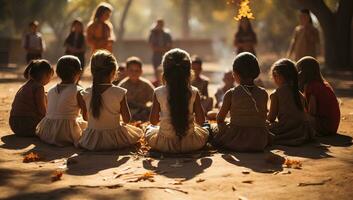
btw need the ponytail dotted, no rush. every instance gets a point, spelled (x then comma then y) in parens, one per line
(36, 69)
(103, 63)
(177, 72)
(286, 68)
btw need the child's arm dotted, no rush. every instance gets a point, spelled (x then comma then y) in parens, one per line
(124, 110)
(81, 103)
(40, 101)
(156, 108)
(227, 101)
(312, 105)
(272, 114)
(198, 110)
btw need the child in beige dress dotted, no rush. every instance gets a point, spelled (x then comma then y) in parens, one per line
(105, 104)
(177, 108)
(287, 106)
(247, 104)
(63, 124)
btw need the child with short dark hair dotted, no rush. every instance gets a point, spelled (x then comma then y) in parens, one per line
(287, 106)
(75, 41)
(201, 82)
(29, 105)
(228, 81)
(121, 74)
(63, 124)
(139, 90)
(33, 42)
(106, 103)
(322, 102)
(177, 108)
(247, 105)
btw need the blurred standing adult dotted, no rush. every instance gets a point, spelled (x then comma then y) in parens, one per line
(160, 41)
(100, 33)
(306, 40)
(245, 38)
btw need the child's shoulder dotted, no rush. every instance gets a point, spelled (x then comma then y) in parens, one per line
(204, 78)
(146, 82)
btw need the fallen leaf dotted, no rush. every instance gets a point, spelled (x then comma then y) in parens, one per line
(56, 176)
(248, 181)
(143, 177)
(295, 164)
(234, 188)
(245, 172)
(31, 157)
(200, 180)
(178, 181)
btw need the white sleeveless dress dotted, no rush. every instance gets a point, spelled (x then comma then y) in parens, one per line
(62, 124)
(163, 137)
(106, 132)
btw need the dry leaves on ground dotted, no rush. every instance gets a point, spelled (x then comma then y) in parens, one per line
(31, 157)
(200, 180)
(56, 176)
(178, 181)
(142, 147)
(295, 164)
(149, 176)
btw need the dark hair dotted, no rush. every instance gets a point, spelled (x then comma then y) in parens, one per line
(100, 10)
(177, 71)
(67, 67)
(196, 59)
(246, 65)
(307, 12)
(133, 60)
(309, 70)
(286, 68)
(103, 63)
(36, 69)
(76, 21)
(33, 23)
(240, 28)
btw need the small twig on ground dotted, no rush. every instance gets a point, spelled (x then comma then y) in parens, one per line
(163, 188)
(314, 183)
(98, 186)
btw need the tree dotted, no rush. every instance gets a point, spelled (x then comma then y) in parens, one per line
(336, 27)
(121, 29)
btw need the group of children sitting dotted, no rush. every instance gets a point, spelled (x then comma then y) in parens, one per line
(91, 118)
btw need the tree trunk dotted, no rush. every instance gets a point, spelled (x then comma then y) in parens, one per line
(121, 30)
(336, 30)
(185, 15)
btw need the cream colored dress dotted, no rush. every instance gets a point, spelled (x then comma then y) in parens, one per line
(163, 137)
(106, 132)
(62, 124)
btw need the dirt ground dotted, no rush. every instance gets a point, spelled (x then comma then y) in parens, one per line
(326, 171)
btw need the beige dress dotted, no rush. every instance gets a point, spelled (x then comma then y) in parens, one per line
(62, 124)
(293, 125)
(106, 132)
(247, 128)
(163, 137)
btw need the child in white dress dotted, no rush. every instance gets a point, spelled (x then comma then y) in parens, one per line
(105, 103)
(177, 106)
(63, 124)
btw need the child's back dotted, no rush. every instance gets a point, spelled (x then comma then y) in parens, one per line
(247, 128)
(327, 107)
(24, 115)
(164, 138)
(62, 125)
(292, 127)
(106, 132)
